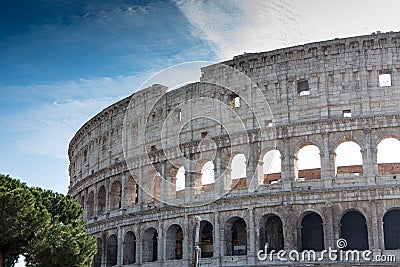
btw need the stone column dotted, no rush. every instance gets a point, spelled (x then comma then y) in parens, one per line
(252, 164)
(140, 191)
(139, 245)
(252, 238)
(219, 177)
(120, 251)
(95, 201)
(374, 233)
(327, 162)
(104, 250)
(287, 160)
(108, 190)
(163, 181)
(85, 200)
(328, 227)
(368, 168)
(160, 248)
(186, 252)
(217, 241)
(123, 191)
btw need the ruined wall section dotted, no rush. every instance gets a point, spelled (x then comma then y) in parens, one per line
(342, 74)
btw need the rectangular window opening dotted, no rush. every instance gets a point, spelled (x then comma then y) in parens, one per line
(235, 101)
(347, 113)
(385, 79)
(303, 88)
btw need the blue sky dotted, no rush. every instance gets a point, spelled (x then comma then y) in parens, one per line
(62, 61)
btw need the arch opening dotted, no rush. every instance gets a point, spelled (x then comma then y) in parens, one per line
(98, 255)
(131, 195)
(388, 157)
(348, 159)
(391, 229)
(307, 163)
(112, 250)
(236, 237)
(238, 171)
(150, 245)
(312, 232)
(90, 205)
(174, 239)
(271, 233)
(101, 200)
(115, 195)
(353, 228)
(129, 248)
(206, 239)
(208, 176)
(272, 167)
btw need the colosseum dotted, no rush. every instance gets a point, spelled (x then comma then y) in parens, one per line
(250, 166)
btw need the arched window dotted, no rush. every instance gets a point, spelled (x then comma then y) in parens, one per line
(236, 237)
(353, 228)
(348, 159)
(272, 166)
(206, 239)
(115, 195)
(207, 173)
(312, 232)
(180, 179)
(271, 232)
(131, 193)
(130, 248)
(112, 250)
(388, 157)
(238, 171)
(174, 242)
(90, 205)
(150, 245)
(391, 228)
(101, 200)
(98, 255)
(308, 163)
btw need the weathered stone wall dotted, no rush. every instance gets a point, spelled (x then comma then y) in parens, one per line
(342, 76)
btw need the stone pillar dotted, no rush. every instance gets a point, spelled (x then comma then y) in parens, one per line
(375, 166)
(327, 162)
(374, 233)
(160, 248)
(217, 241)
(381, 233)
(252, 238)
(85, 200)
(328, 227)
(120, 251)
(219, 173)
(104, 250)
(186, 252)
(139, 245)
(287, 165)
(252, 164)
(368, 165)
(163, 182)
(95, 201)
(140, 191)
(123, 191)
(108, 190)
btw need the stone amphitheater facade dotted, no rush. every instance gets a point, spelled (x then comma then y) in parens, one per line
(124, 162)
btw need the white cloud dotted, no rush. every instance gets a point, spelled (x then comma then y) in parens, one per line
(234, 27)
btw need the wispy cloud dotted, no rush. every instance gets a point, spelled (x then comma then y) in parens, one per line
(233, 27)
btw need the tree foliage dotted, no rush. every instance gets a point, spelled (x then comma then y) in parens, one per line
(46, 227)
